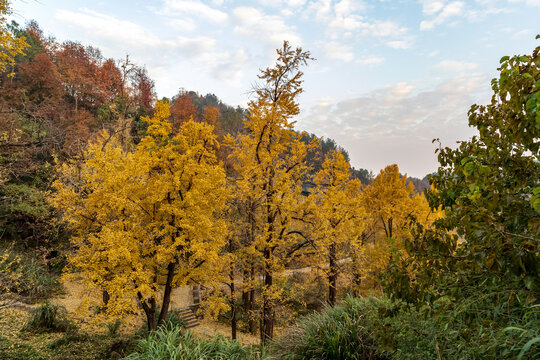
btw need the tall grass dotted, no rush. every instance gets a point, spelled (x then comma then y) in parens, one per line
(343, 332)
(170, 342)
(48, 317)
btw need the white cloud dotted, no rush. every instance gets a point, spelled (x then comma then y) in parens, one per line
(399, 90)
(335, 50)
(395, 124)
(455, 66)
(369, 60)
(231, 67)
(129, 35)
(183, 25)
(430, 7)
(527, 2)
(109, 28)
(282, 3)
(442, 11)
(172, 55)
(194, 46)
(445, 12)
(399, 44)
(344, 19)
(272, 29)
(193, 8)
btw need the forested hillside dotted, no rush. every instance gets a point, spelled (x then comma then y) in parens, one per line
(170, 213)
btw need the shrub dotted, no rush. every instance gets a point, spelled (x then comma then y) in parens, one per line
(341, 332)
(48, 317)
(378, 328)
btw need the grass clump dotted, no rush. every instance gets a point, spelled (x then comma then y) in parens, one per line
(48, 317)
(173, 343)
(341, 332)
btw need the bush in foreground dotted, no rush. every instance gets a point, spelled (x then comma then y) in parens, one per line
(341, 332)
(379, 328)
(173, 343)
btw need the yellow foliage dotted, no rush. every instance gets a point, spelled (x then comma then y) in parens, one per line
(390, 204)
(271, 167)
(146, 218)
(9, 46)
(338, 217)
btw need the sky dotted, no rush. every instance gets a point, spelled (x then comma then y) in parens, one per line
(389, 76)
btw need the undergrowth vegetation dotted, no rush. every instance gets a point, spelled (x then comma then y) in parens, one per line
(380, 328)
(25, 275)
(341, 332)
(259, 225)
(171, 342)
(48, 317)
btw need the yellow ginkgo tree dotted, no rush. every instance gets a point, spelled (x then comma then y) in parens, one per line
(148, 220)
(390, 204)
(338, 217)
(271, 169)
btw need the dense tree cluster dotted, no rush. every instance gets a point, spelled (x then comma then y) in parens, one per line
(154, 195)
(287, 198)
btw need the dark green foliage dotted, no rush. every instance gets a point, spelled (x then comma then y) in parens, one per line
(231, 120)
(75, 345)
(25, 215)
(316, 157)
(486, 188)
(20, 352)
(68, 339)
(171, 342)
(114, 326)
(363, 175)
(378, 328)
(48, 317)
(343, 332)
(476, 275)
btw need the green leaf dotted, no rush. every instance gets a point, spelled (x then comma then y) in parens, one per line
(510, 328)
(523, 58)
(503, 59)
(528, 346)
(530, 104)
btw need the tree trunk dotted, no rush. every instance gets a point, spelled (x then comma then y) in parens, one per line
(106, 297)
(233, 294)
(332, 276)
(251, 302)
(267, 328)
(245, 292)
(150, 311)
(167, 293)
(233, 310)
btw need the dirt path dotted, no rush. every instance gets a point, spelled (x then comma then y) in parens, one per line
(180, 298)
